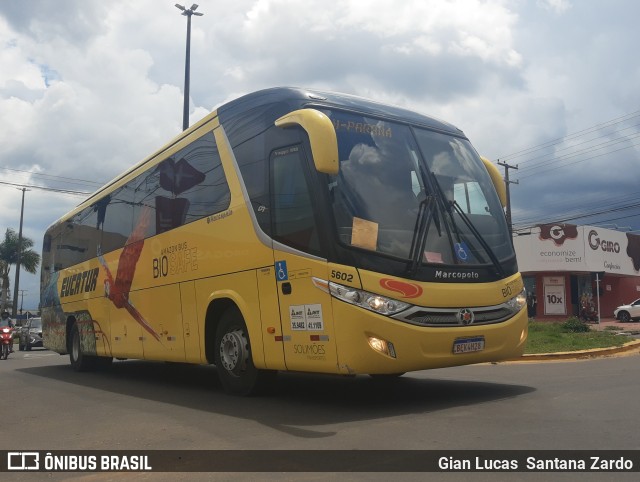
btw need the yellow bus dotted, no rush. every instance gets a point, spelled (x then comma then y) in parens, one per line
(291, 230)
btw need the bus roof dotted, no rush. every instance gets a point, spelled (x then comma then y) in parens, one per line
(252, 113)
(291, 98)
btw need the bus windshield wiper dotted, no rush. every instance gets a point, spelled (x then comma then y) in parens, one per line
(448, 205)
(479, 237)
(420, 233)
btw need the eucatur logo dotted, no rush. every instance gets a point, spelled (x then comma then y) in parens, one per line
(558, 233)
(407, 290)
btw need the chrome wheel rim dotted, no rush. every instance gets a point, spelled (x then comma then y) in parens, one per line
(233, 352)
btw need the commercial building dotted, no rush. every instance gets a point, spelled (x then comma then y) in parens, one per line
(572, 270)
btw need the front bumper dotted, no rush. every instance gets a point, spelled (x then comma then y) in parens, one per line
(419, 347)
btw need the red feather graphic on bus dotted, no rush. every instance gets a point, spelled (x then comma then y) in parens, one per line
(117, 290)
(408, 290)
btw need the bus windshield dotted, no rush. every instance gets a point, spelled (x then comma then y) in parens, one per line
(398, 184)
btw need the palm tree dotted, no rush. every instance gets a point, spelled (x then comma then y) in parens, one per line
(29, 260)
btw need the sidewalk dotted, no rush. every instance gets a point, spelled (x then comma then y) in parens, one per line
(607, 323)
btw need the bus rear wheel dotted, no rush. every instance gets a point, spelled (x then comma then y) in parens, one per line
(232, 356)
(81, 362)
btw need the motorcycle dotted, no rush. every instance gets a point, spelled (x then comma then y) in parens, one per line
(6, 341)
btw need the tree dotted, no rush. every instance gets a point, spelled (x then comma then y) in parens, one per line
(29, 260)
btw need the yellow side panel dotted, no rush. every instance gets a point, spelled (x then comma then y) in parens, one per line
(191, 324)
(126, 335)
(242, 289)
(307, 318)
(270, 315)
(160, 318)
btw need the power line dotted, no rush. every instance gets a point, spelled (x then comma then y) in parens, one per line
(577, 211)
(582, 216)
(42, 188)
(602, 145)
(582, 160)
(582, 132)
(71, 180)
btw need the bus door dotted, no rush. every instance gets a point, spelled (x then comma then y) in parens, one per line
(159, 313)
(305, 311)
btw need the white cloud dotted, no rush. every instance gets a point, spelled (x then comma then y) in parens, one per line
(556, 6)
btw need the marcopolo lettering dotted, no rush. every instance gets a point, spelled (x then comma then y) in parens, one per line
(461, 275)
(596, 243)
(83, 282)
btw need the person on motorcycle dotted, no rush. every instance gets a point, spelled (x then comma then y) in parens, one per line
(6, 321)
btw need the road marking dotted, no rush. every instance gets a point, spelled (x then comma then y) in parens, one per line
(39, 355)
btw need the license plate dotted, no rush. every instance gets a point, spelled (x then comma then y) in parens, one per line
(468, 345)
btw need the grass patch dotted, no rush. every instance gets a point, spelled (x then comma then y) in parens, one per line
(545, 337)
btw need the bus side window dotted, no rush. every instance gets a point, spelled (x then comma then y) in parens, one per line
(254, 167)
(118, 219)
(183, 188)
(293, 220)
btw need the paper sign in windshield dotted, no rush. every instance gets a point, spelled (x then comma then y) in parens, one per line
(364, 234)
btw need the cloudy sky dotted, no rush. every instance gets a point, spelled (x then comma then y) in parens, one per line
(89, 87)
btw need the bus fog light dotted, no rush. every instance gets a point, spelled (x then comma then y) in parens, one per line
(382, 346)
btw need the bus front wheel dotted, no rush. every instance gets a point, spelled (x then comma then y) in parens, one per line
(233, 360)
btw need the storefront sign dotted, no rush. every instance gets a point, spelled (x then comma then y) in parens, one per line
(565, 247)
(555, 302)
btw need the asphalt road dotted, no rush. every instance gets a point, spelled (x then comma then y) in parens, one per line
(587, 405)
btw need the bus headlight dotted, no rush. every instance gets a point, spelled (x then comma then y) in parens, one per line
(369, 301)
(518, 301)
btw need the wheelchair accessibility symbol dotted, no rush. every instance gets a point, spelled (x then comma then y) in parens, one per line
(462, 251)
(281, 271)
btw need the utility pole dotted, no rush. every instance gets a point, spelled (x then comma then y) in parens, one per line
(22, 292)
(16, 286)
(187, 12)
(506, 183)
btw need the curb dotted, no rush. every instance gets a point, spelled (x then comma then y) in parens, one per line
(581, 354)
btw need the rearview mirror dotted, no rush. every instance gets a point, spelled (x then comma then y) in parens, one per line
(322, 136)
(496, 179)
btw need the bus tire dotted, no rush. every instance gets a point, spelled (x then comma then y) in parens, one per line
(79, 361)
(233, 358)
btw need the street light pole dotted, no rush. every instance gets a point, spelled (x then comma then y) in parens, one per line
(14, 309)
(187, 12)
